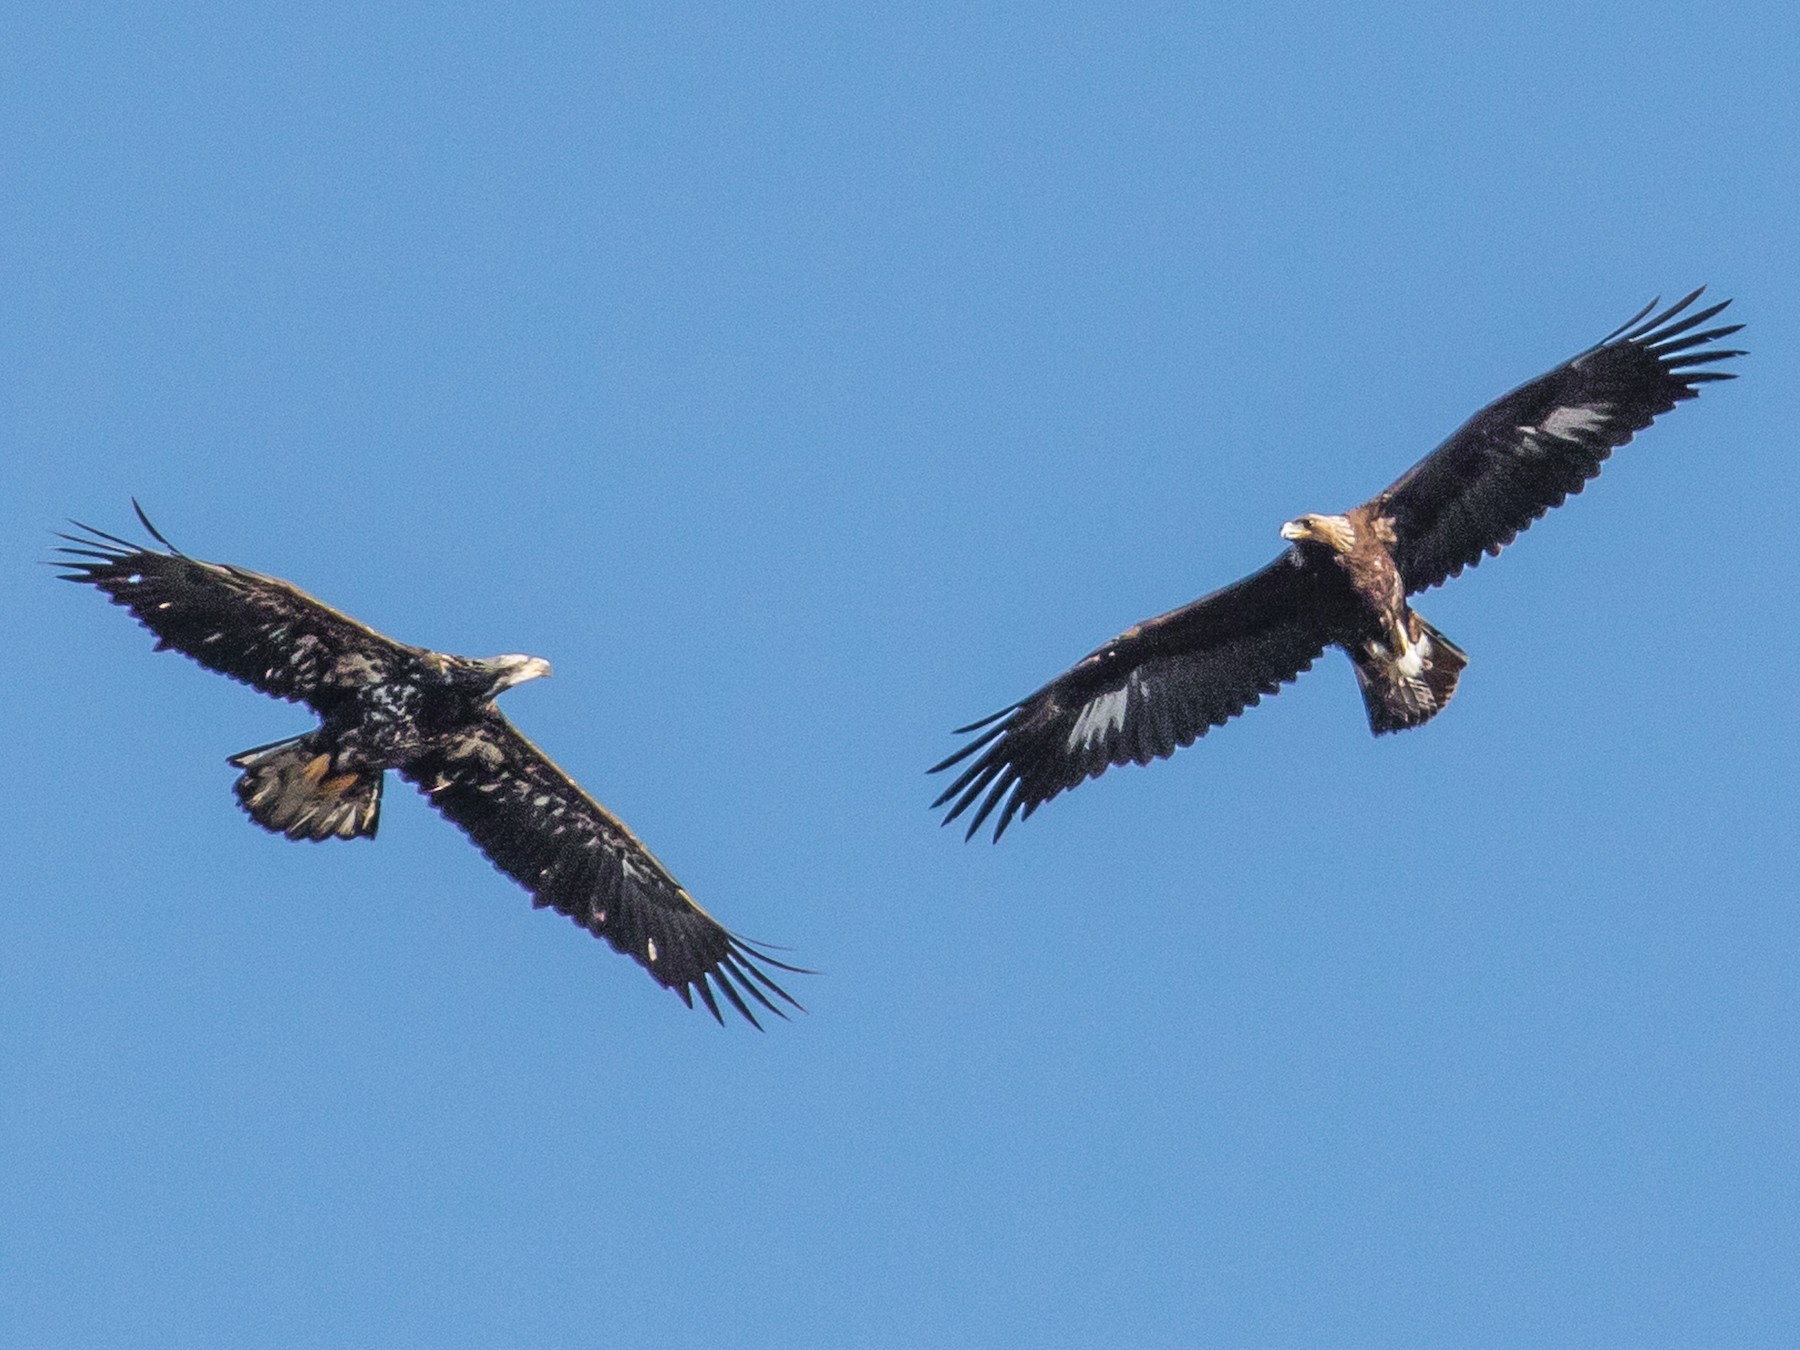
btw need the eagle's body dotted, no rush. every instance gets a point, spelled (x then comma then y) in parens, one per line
(1343, 581)
(1406, 668)
(374, 716)
(430, 716)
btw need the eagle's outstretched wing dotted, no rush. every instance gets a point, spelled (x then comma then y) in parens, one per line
(536, 825)
(260, 630)
(1526, 452)
(1159, 685)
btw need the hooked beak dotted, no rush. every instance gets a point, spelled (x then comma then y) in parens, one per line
(1296, 530)
(520, 669)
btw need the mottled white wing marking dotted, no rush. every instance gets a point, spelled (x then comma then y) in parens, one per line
(355, 668)
(1101, 716)
(537, 826)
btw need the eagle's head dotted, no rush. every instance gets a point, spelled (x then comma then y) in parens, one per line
(1333, 532)
(506, 671)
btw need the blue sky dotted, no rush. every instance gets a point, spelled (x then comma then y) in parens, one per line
(805, 381)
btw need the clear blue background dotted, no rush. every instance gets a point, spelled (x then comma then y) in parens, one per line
(804, 381)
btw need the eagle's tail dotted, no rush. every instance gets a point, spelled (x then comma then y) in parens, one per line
(1409, 687)
(289, 788)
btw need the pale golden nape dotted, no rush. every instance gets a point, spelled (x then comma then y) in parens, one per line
(1334, 532)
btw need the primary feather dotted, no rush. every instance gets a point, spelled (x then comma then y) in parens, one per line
(1530, 450)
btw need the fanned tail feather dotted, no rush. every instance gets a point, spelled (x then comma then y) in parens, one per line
(1408, 688)
(288, 788)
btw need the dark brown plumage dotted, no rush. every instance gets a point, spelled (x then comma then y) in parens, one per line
(1343, 582)
(385, 705)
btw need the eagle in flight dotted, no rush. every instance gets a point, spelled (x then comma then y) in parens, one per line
(1343, 581)
(384, 705)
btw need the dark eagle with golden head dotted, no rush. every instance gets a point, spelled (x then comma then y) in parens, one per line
(384, 705)
(1343, 582)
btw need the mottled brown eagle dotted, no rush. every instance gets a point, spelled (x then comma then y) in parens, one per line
(1342, 582)
(384, 705)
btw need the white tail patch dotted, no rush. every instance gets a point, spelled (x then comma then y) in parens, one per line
(1414, 658)
(1402, 690)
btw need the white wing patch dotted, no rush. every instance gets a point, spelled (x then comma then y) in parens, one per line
(1569, 423)
(1102, 716)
